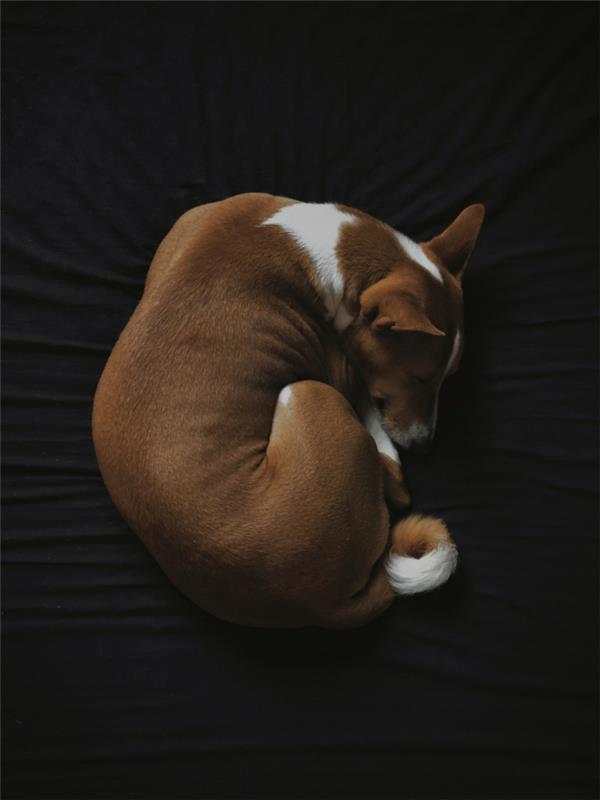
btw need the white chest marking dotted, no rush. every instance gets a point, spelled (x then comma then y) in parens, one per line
(372, 421)
(316, 228)
(415, 252)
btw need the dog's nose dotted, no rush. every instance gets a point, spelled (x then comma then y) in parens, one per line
(421, 447)
(379, 404)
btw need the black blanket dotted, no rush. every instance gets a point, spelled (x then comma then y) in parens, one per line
(117, 118)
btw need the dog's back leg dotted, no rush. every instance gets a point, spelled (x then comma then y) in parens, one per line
(324, 466)
(326, 482)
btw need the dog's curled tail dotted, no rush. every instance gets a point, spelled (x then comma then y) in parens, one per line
(422, 556)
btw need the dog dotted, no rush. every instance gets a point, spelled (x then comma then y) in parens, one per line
(248, 421)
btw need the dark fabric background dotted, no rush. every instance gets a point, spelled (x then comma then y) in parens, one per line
(117, 118)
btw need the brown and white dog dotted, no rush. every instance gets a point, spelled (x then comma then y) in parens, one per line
(246, 421)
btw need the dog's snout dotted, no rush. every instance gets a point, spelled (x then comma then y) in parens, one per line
(421, 447)
(416, 439)
(379, 404)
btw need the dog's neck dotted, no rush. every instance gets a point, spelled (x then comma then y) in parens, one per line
(316, 227)
(348, 252)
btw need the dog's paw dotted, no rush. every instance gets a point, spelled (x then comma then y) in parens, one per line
(394, 488)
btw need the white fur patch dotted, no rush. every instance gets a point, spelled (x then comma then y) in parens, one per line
(416, 433)
(285, 395)
(416, 253)
(411, 575)
(342, 318)
(316, 228)
(371, 419)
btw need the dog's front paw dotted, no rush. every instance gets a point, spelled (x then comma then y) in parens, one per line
(394, 488)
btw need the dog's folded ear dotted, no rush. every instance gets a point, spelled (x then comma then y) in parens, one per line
(386, 307)
(454, 246)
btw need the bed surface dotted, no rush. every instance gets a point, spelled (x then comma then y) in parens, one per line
(117, 118)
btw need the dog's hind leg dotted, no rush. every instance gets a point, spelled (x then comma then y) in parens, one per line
(394, 486)
(326, 487)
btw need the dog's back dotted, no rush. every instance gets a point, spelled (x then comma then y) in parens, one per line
(184, 410)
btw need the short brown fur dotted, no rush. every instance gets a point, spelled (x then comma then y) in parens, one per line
(263, 515)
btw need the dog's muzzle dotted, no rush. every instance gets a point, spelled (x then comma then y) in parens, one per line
(416, 440)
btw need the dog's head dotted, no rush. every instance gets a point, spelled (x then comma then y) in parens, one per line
(409, 334)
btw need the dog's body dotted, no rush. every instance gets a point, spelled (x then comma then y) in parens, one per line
(234, 423)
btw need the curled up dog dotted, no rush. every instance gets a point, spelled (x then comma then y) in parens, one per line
(248, 421)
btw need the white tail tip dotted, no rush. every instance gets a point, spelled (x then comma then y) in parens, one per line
(409, 575)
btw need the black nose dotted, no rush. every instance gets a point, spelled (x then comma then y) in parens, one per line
(421, 447)
(379, 404)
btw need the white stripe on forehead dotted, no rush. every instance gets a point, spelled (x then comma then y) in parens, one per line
(316, 228)
(416, 253)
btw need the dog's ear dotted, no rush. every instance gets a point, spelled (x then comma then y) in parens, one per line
(385, 307)
(454, 246)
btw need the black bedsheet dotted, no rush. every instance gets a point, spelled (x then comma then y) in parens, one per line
(117, 118)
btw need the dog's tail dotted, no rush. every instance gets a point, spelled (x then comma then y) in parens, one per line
(422, 556)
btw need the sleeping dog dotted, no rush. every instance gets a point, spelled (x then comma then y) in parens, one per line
(248, 421)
